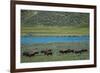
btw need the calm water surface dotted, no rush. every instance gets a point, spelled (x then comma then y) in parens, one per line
(31, 40)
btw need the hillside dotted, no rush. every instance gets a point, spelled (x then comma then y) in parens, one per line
(51, 18)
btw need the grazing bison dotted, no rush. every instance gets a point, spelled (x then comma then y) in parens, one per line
(30, 53)
(84, 50)
(26, 54)
(65, 51)
(77, 51)
(80, 51)
(70, 51)
(47, 52)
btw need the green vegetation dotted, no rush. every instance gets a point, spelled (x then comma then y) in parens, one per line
(53, 23)
(65, 57)
(56, 46)
(55, 49)
(54, 31)
(54, 18)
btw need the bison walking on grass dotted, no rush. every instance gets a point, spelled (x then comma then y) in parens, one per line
(65, 51)
(84, 50)
(30, 53)
(76, 51)
(47, 52)
(79, 51)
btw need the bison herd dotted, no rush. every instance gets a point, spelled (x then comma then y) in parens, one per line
(49, 52)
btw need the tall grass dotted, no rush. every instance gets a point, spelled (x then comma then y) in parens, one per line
(54, 31)
(55, 49)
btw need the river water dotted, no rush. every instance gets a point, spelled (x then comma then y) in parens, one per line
(31, 40)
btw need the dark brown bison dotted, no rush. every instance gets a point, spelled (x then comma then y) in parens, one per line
(77, 51)
(65, 51)
(30, 53)
(70, 51)
(47, 52)
(84, 50)
(80, 51)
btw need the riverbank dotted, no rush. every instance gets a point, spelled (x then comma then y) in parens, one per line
(54, 31)
(32, 37)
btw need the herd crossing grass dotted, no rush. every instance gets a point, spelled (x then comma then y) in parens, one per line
(54, 31)
(55, 49)
(52, 23)
(63, 57)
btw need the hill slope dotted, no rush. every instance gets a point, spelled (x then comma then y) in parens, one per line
(51, 18)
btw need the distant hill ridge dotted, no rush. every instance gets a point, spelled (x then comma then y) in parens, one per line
(53, 18)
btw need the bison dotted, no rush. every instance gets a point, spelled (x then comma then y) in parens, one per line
(84, 50)
(47, 52)
(78, 51)
(70, 51)
(30, 53)
(65, 51)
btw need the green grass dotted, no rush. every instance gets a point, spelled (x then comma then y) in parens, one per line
(54, 31)
(65, 57)
(56, 55)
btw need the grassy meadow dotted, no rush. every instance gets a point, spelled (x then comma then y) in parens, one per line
(36, 23)
(54, 31)
(44, 58)
(55, 49)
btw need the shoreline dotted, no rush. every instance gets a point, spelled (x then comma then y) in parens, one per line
(54, 35)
